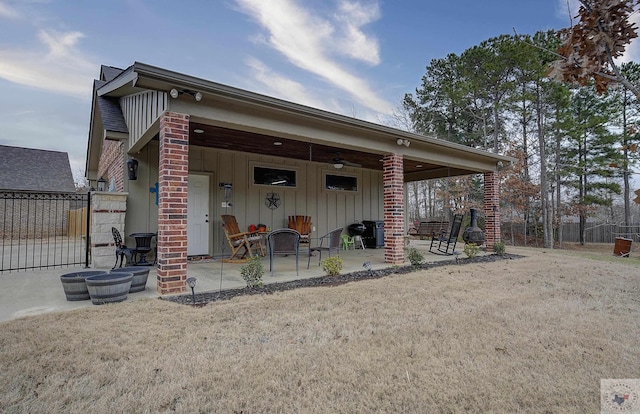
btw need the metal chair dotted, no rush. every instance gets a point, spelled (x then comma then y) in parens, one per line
(333, 241)
(121, 249)
(447, 240)
(283, 242)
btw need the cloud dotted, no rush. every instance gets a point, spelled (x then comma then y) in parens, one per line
(281, 86)
(61, 69)
(7, 11)
(310, 42)
(356, 43)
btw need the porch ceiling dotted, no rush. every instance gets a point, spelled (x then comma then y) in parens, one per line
(244, 141)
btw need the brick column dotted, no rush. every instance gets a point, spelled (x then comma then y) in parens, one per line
(172, 202)
(393, 184)
(491, 209)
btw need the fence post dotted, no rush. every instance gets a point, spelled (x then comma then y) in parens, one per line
(87, 240)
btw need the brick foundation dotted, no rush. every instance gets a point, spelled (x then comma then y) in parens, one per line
(393, 184)
(491, 209)
(173, 177)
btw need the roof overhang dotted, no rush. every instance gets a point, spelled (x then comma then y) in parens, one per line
(236, 119)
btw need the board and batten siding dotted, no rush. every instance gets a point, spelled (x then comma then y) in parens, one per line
(328, 209)
(140, 111)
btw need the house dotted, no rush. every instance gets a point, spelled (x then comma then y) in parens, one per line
(35, 170)
(206, 149)
(36, 192)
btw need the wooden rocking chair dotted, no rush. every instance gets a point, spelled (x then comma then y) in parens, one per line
(240, 241)
(443, 242)
(301, 224)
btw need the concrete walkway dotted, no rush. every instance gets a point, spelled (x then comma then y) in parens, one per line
(34, 292)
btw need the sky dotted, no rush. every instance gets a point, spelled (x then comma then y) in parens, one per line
(356, 58)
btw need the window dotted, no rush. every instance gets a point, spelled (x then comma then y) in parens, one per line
(274, 176)
(340, 182)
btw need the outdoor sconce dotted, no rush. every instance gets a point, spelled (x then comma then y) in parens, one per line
(132, 168)
(174, 93)
(191, 282)
(102, 184)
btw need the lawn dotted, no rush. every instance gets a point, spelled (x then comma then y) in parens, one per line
(534, 334)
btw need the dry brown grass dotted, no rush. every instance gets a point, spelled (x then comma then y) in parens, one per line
(528, 335)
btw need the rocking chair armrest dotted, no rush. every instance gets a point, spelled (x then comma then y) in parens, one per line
(242, 234)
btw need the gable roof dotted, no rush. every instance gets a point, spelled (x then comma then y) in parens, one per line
(28, 169)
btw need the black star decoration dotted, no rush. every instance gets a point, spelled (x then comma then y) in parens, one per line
(272, 201)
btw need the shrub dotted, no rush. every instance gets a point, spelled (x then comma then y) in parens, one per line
(471, 250)
(332, 265)
(499, 248)
(252, 272)
(415, 256)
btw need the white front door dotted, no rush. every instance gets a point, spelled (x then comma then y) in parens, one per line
(198, 215)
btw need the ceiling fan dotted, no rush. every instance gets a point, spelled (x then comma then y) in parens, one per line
(339, 162)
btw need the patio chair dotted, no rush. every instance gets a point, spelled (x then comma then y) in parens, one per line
(122, 251)
(333, 242)
(301, 224)
(442, 243)
(244, 242)
(283, 242)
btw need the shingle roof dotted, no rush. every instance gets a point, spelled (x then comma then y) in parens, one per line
(107, 73)
(112, 118)
(27, 169)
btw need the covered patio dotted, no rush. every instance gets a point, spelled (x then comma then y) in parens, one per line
(203, 149)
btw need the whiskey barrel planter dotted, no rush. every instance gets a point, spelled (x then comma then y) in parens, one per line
(109, 287)
(74, 285)
(140, 275)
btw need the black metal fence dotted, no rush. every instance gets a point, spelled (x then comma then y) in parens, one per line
(43, 230)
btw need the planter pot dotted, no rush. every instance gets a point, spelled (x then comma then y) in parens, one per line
(109, 287)
(140, 275)
(74, 285)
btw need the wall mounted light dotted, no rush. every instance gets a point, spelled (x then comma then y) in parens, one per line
(102, 184)
(174, 93)
(404, 142)
(132, 168)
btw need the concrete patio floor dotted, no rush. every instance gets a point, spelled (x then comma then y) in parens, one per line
(34, 292)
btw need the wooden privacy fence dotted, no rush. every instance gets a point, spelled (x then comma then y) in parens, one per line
(77, 222)
(594, 232)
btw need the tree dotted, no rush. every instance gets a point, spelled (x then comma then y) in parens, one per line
(628, 125)
(588, 49)
(590, 152)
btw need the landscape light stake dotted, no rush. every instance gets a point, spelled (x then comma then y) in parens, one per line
(191, 282)
(367, 266)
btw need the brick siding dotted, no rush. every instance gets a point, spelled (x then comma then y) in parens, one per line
(111, 164)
